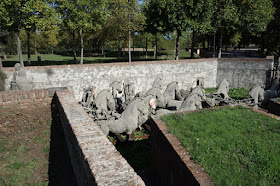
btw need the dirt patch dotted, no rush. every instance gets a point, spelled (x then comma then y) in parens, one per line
(25, 143)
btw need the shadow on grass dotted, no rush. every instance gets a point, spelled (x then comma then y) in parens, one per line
(60, 170)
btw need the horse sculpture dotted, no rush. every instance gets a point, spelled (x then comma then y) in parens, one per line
(172, 91)
(136, 114)
(105, 104)
(223, 89)
(257, 93)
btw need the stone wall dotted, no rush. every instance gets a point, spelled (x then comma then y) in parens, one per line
(94, 158)
(27, 96)
(24, 96)
(243, 72)
(101, 75)
(239, 72)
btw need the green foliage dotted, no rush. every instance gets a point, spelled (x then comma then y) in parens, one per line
(255, 15)
(3, 76)
(179, 16)
(82, 14)
(238, 93)
(236, 146)
(17, 14)
(234, 93)
(210, 90)
(123, 15)
(271, 37)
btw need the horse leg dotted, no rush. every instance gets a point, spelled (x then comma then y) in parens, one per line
(131, 137)
(120, 138)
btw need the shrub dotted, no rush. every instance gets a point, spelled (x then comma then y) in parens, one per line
(2, 80)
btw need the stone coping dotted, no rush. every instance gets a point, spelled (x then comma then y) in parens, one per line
(94, 158)
(113, 64)
(11, 69)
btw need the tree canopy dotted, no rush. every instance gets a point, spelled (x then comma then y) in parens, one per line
(21, 14)
(62, 24)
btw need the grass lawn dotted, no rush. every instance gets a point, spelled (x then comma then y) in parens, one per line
(24, 144)
(234, 93)
(235, 145)
(32, 148)
(48, 59)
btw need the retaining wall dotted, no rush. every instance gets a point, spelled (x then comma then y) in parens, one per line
(239, 72)
(243, 72)
(27, 96)
(94, 158)
(172, 163)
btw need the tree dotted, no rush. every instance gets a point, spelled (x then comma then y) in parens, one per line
(167, 16)
(271, 37)
(241, 15)
(4, 34)
(82, 16)
(21, 14)
(125, 18)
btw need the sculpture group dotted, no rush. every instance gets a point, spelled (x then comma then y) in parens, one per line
(119, 109)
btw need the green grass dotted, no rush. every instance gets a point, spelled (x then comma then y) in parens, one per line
(48, 59)
(18, 170)
(234, 93)
(236, 146)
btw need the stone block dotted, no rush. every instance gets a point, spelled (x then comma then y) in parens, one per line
(32, 95)
(25, 94)
(1, 96)
(10, 96)
(19, 95)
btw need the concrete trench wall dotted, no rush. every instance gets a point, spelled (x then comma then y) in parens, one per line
(239, 72)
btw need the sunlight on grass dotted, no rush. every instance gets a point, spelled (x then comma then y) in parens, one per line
(48, 59)
(234, 93)
(236, 146)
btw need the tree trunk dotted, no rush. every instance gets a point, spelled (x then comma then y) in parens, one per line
(262, 44)
(129, 52)
(146, 47)
(28, 48)
(204, 44)
(119, 48)
(35, 47)
(193, 41)
(74, 48)
(177, 45)
(220, 45)
(1, 65)
(155, 49)
(19, 51)
(4, 55)
(82, 46)
(214, 46)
